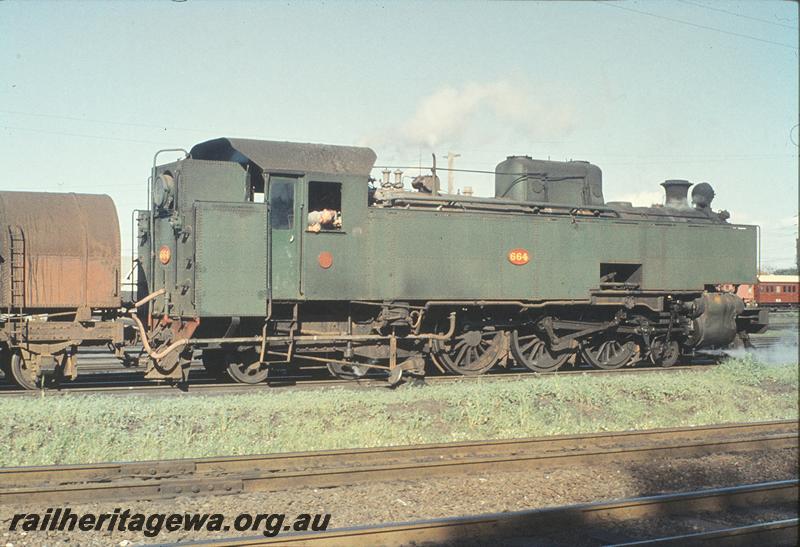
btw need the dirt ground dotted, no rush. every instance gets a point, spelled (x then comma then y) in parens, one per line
(411, 499)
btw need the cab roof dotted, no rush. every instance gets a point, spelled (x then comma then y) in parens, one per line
(289, 156)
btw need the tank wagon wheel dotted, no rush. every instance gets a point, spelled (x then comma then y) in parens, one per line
(5, 364)
(347, 372)
(664, 354)
(22, 375)
(608, 353)
(243, 367)
(470, 353)
(532, 351)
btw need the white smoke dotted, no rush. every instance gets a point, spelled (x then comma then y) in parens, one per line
(488, 111)
(779, 345)
(779, 354)
(643, 199)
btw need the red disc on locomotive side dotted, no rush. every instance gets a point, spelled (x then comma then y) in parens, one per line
(518, 257)
(325, 260)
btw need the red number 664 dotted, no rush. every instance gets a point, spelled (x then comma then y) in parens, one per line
(518, 257)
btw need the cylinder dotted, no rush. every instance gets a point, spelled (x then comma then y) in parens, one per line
(714, 320)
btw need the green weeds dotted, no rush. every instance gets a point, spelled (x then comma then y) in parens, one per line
(72, 429)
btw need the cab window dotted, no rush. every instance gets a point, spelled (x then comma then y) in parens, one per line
(281, 203)
(324, 206)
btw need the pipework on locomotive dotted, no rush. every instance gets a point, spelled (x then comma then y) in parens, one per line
(263, 254)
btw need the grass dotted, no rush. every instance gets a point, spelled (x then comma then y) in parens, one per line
(76, 429)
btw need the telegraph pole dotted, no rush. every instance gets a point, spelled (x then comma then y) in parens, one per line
(450, 175)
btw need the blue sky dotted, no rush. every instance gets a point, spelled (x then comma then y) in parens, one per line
(694, 89)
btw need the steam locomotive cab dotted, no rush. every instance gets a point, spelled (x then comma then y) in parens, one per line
(228, 225)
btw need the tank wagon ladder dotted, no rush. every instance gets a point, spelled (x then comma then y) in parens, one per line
(17, 269)
(17, 326)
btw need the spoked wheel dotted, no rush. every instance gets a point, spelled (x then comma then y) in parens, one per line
(21, 372)
(664, 353)
(243, 367)
(353, 371)
(532, 352)
(470, 353)
(608, 353)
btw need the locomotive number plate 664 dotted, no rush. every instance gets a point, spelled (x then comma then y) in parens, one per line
(518, 257)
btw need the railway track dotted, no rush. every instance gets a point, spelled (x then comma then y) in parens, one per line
(129, 481)
(133, 384)
(768, 341)
(602, 523)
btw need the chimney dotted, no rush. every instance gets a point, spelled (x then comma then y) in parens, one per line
(468, 190)
(385, 182)
(677, 193)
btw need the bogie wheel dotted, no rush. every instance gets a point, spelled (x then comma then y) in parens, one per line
(607, 352)
(347, 372)
(665, 353)
(532, 352)
(21, 372)
(244, 367)
(470, 353)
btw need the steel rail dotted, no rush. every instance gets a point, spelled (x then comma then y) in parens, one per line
(295, 382)
(774, 533)
(581, 519)
(273, 472)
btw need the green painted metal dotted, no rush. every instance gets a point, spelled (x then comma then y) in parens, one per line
(230, 276)
(222, 238)
(200, 180)
(196, 182)
(428, 255)
(286, 234)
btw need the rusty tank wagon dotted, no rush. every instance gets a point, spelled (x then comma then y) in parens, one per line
(262, 253)
(59, 281)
